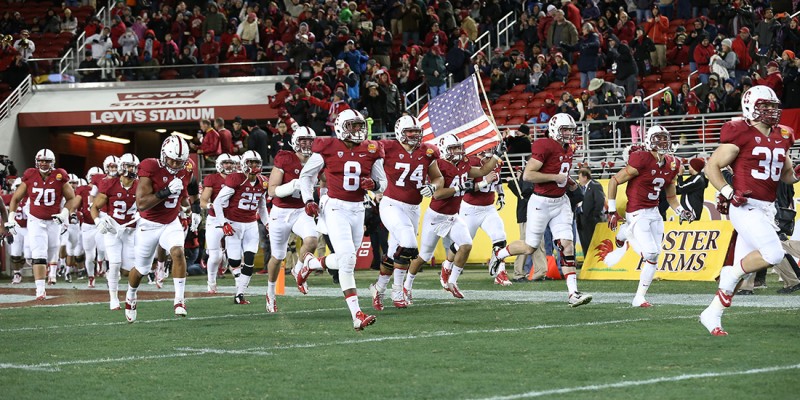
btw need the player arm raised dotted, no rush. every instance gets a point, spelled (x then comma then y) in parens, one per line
(489, 166)
(722, 157)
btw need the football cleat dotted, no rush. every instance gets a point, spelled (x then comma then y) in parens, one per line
(180, 309)
(578, 299)
(113, 305)
(68, 278)
(494, 264)
(239, 299)
(640, 302)
(51, 280)
(444, 276)
(221, 271)
(718, 332)
(407, 296)
(398, 299)
(301, 277)
(502, 279)
(43, 297)
(377, 297)
(17, 278)
(646, 304)
(91, 282)
(130, 310)
(211, 288)
(453, 289)
(272, 307)
(362, 321)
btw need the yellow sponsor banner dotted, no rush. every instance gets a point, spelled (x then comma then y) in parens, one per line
(690, 252)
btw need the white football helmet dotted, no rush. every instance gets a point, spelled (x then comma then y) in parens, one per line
(129, 165)
(761, 104)
(225, 164)
(350, 125)
(302, 140)
(74, 180)
(45, 160)
(175, 149)
(237, 163)
(83, 182)
(92, 172)
(111, 166)
(16, 184)
(562, 128)
(407, 130)
(451, 148)
(657, 138)
(251, 162)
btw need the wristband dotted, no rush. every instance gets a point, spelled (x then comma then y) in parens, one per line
(612, 205)
(163, 194)
(726, 192)
(483, 184)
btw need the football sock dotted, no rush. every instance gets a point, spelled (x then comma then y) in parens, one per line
(454, 274)
(503, 253)
(89, 270)
(237, 273)
(352, 304)
(313, 262)
(40, 287)
(399, 277)
(131, 295)
(730, 276)
(447, 264)
(383, 281)
(502, 267)
(180, 288)
(409, 282)
(645, 278)
(271, 289)
(572, 282)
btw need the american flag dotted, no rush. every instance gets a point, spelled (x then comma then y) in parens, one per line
(459, 111)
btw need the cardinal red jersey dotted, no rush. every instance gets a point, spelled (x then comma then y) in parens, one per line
(83, 206)
(406, 172)
(644, 189)
(759, 164)
(167, 210)
(21, 216)
(96, 179)
(45, 194)
(121, 202)
(454, 175)
(215, 182)
(556, 159)
(485, 196)
(345, 167)
(243, 205)
(289, 163)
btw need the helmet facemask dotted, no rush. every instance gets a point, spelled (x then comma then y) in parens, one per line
(355, 130)
(129, 170)
(304, 145)
(566, 134)
(455, 153)
(660, 142)
(45, 165)
(762, 112)
(411, 137)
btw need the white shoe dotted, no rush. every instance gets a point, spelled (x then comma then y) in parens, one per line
(578, 299)
(212, 288)
(271, 306)
(130, 310)
(713, 322)
(17, 278)
(180, 309)
(399, 299)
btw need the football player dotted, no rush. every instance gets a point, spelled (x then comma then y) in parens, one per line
(71, 236)
(115, 215)
(409, 165)
(160, 195)
(756, 148)
(287, 215)
(20, 249)
(647, 173)
(45, 187)
(548, 168)
(239, 204)
(353, 166)
(442, 219)
(212, 184)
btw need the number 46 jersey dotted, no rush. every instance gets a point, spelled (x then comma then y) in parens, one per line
(644, 189)
(406, 172)
(759, 164)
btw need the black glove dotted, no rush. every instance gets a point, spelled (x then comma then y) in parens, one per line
(500, 149)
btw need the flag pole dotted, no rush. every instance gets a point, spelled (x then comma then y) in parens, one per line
(494, 122)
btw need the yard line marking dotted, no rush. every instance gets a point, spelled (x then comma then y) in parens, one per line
(186, 352)
(94, 303)
(624, 384)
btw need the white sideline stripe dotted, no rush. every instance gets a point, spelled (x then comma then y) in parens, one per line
(624, 384)
(94, 303)
(188, 351)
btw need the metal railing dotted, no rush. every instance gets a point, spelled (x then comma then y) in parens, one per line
(483, 43)
(15, 98)
(504, 28)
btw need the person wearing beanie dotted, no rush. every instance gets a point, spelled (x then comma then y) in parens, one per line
(692, 187)
(727, 57)
(518, 142)
(773, 80)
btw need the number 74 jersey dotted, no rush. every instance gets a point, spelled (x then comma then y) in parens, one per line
(406, 172)
(643, 190)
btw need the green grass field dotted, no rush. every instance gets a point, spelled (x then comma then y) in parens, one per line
(517, 342)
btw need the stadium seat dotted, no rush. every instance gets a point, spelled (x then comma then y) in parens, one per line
(518, 88)
(572, 83)
(675, 86)
(555, 85)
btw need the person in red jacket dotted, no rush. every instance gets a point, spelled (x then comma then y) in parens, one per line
(209, 52)
(572, 12)
(436, 38)
(744, 46)
(335, 106)
(209, 145)
(657, 29)
(225, 136)
(545, 22)
(773, 80)
(702, 56)
(625, 29)
(679, 54)
(118, 29)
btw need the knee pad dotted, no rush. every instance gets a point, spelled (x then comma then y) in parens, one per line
(249, 258)
(453, 248)
(17, 259)
(234, 263)
(404, 255)
(652, 258)
(247, 270)
(347, 262)
(39, 261)
(80, 258)
(387, 262)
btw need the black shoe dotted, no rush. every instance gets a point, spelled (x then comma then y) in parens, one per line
(760, 285)
(744, 292)
(790, 289)
(521, 280)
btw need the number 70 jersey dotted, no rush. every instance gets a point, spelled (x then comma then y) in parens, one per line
(406, 172)
(45, 195)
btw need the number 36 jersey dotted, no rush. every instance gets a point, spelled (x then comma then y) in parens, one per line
(345, 167)
(45, 195)
(644, 189)
(759, 164)
(406, 172)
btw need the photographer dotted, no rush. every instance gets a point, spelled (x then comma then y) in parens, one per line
(100, 43)
(108, 64)
(25, 46)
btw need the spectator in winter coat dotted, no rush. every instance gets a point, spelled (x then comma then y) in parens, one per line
(353, 57)
(765, 33)
(572, 12)
(170, 51)
(118, 28)
(544, 24)
(70, 23)
(334, 107)
(733, 96)
(436, 38)
(589, 59)
(561, 32)
(498, 85)
(642, 47)
(381, 44)
(209, 142)
(129, 43)
(702, 56)
(625, 29)
(790, 35)
(258, 140)
(772, 80)
(679, 55)
(433, 66)
(109, 63)
(727, 58)
(209, 54)
(537, 80)
(214, 20)
(627, 70)
(713, 86)
(100, 43)
(375, 103)
(150, 44)
(560, 69)
(692, 189)
(791, 84)
(657, 29)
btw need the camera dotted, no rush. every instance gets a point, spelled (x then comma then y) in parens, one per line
(6, 168)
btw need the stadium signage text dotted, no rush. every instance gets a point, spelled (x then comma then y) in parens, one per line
(686, 251)
(183, 94)
(145, 116)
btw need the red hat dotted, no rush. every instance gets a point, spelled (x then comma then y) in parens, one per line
(462, 32)
(697, 164)
(744, 29)
(549, 96)
(559, 55)
(772, 64)
(788, 53)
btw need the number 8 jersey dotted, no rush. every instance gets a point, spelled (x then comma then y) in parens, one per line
(345, 167)
(644, 189)
(45, 195)
(759, 164)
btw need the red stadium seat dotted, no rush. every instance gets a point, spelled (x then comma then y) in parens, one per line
(555, 85)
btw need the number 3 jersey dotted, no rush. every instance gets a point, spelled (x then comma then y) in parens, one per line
(243, 204)
(165, 211)
(345, 167)
(759, 164)
(556, 159)
(83, 208)
(454, 175)
(45, 194)
(406, 172)
(121, 202)
(643, 190)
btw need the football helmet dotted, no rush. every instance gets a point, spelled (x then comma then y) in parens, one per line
(45, 160)
(761, 104)
(237, 163)
(451, 148)
(657, 138)
(83, 182)
(92, 172)
(129, 165)
(225, 164)
(74, 180)
(350, 125)
(302, 140)
(562, 128)
(111, 166)
(175, 149)
(407, 130)
(251, 162)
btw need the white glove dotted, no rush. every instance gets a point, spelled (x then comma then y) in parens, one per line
(105, 225)
(62, 217)
(427, 190)
(195, 222)
(11, 224)
(176, 186)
